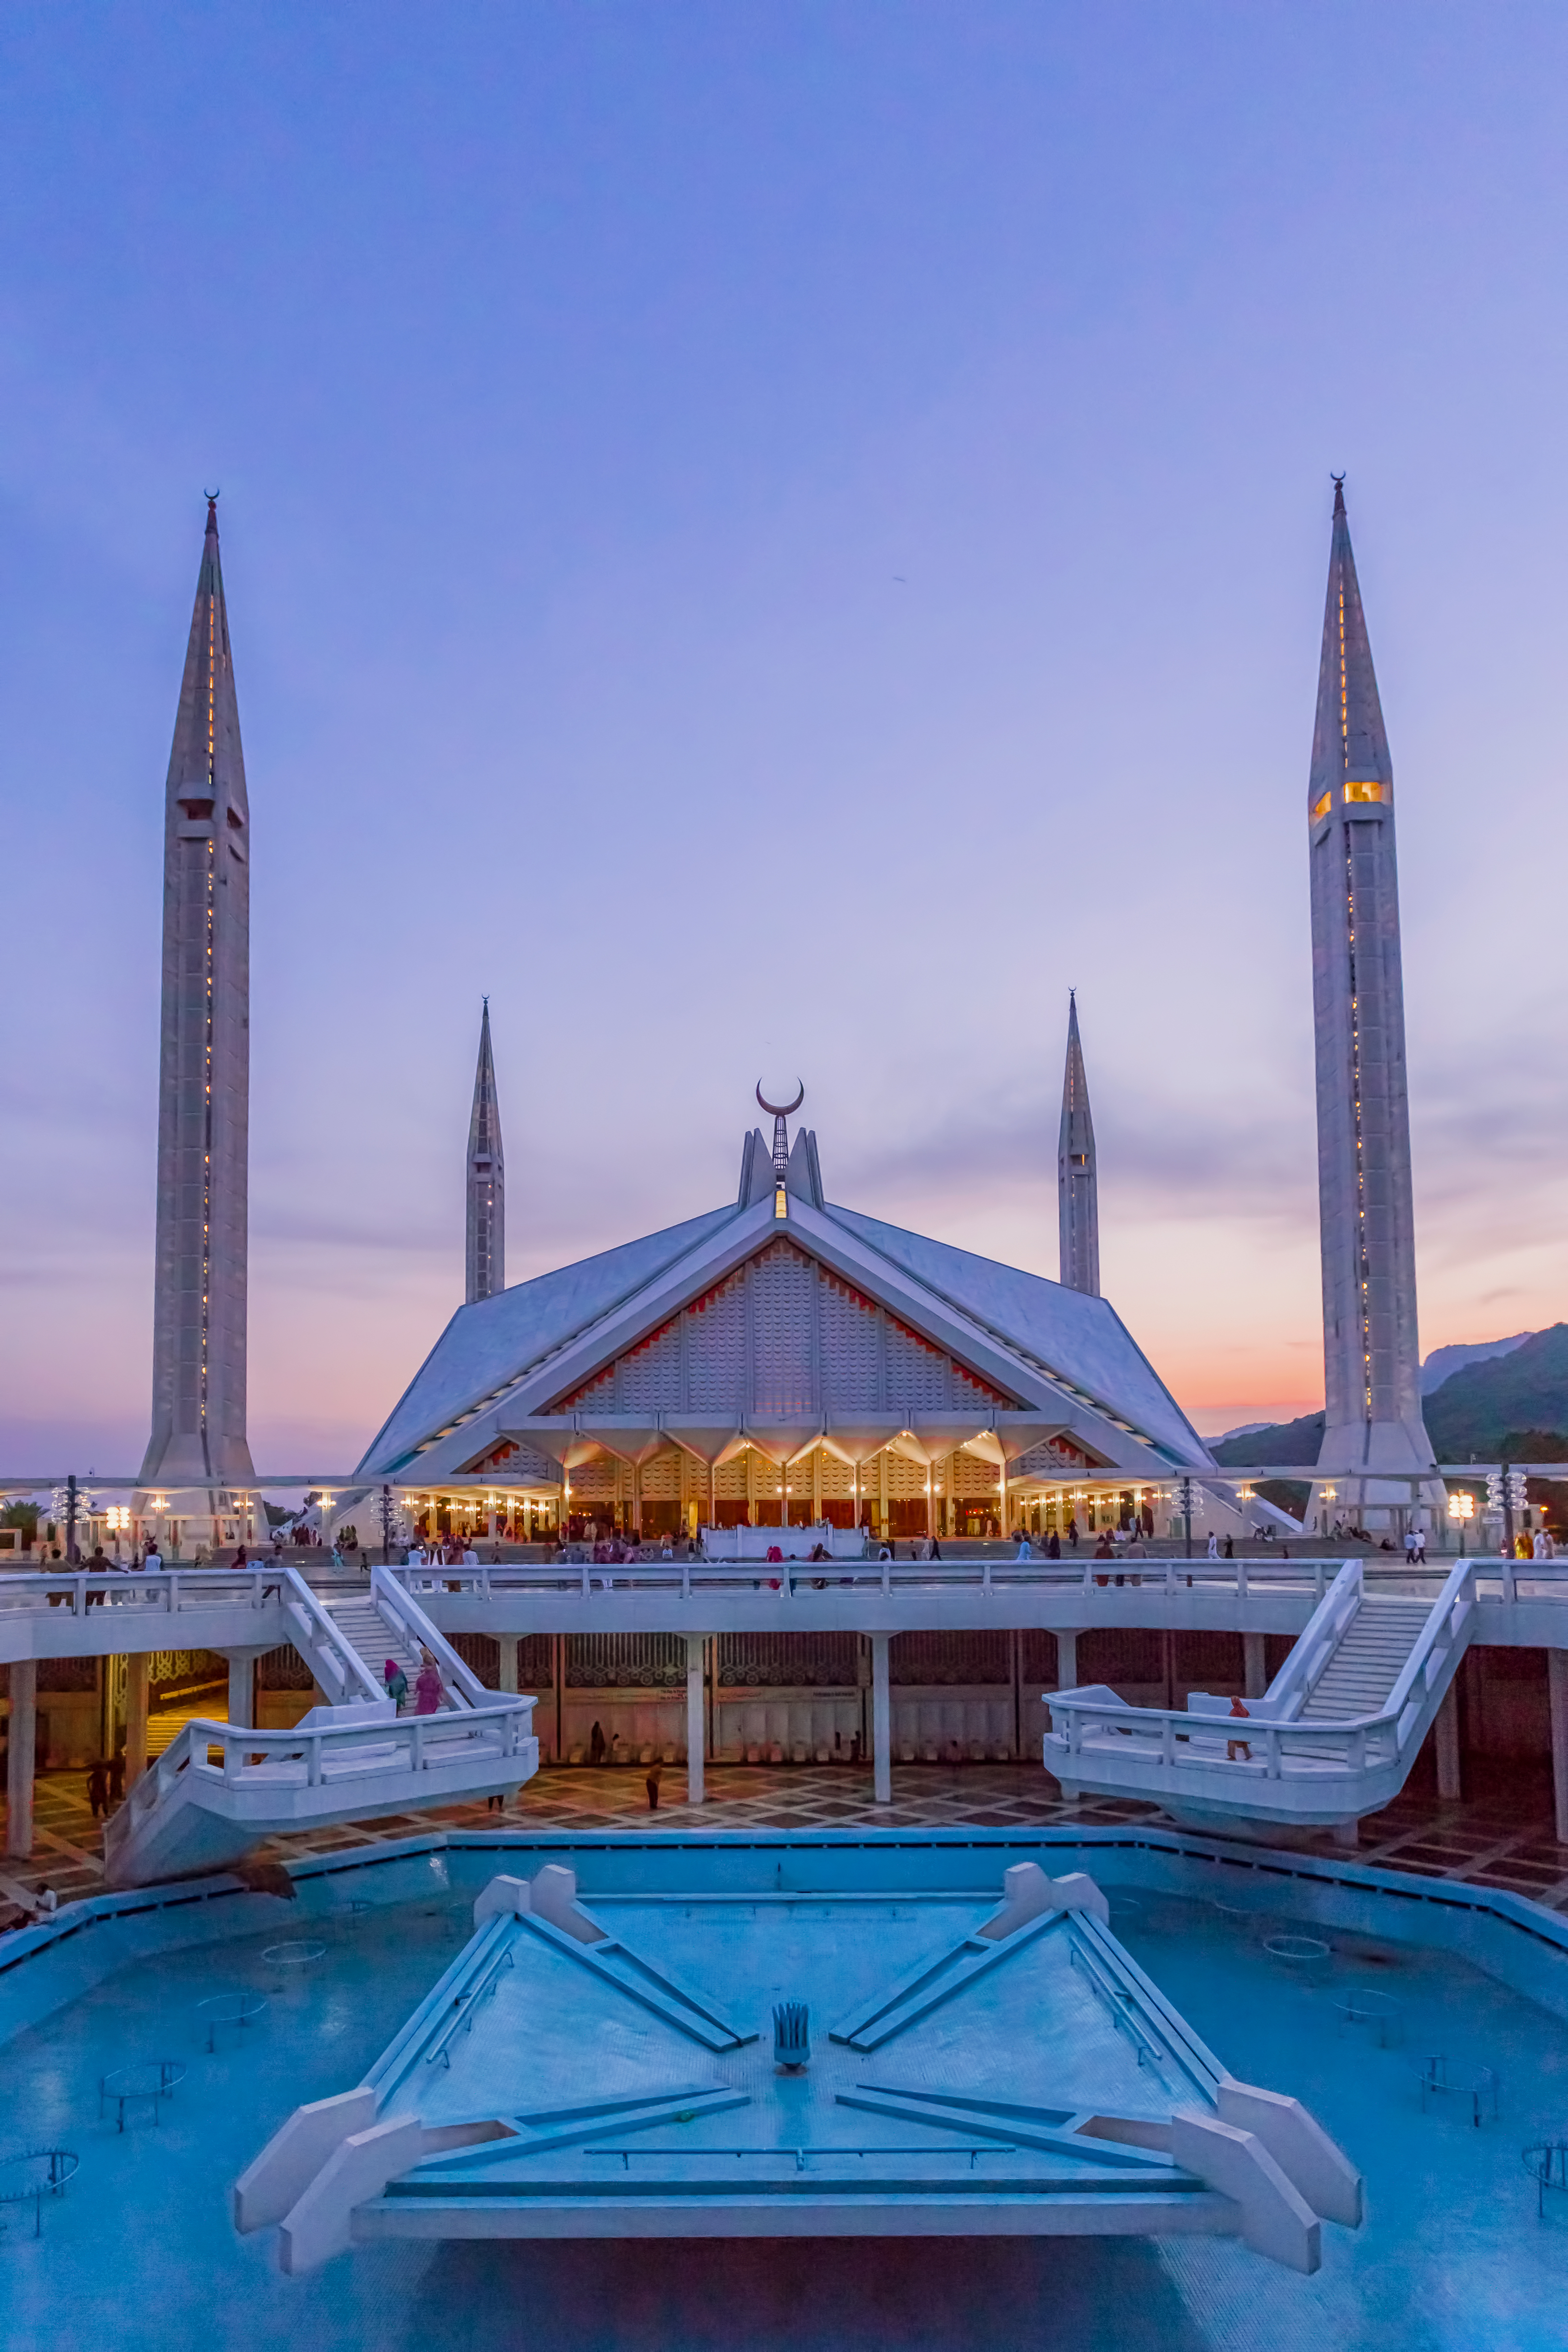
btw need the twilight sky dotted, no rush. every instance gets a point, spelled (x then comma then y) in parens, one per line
(773, 539)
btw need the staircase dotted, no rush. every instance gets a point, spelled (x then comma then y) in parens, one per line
(1333, 1737)
(375, 1637)
(1368, 1661)
(219, 1788)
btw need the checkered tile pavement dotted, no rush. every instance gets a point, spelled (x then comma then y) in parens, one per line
(1501, 1834)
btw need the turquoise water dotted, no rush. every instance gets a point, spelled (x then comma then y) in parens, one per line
(139, 2252)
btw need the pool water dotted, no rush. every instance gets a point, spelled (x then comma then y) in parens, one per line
(140, 2255)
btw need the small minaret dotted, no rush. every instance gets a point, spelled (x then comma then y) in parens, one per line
(198, 1445)
(1371, 1357)
(486, 1252)
(1077, 1182)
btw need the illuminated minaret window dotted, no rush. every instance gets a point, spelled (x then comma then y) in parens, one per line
(198, 1445)
(487, 1240)
(1077, 1181)
(1371, 1356)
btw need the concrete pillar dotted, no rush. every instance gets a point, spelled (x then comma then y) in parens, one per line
(1067, 1662)
(136, 1667)
(22, 1732)
(880, 1721)
(1557, 1685)
(1445, 1739)
(507, 1669)
(241, 1690)
(1347, 1833)
(696, 1786)
(1253, 1668)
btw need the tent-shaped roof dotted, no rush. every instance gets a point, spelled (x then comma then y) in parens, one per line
(889, 1321)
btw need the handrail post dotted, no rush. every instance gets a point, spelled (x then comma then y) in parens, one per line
(985, 1575)
(587, 1587)
(886, 1578)
(1242, 1586)
(1272, 1742)
(686, 1578)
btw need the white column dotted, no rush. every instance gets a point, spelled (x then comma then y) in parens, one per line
(242, 1689)
(1067, 1662)
(507, 1668)
(136, 1667)
(696, 1737)
(1255, 1672)
(880, 1721)
(21, 1732)
(1445, 1739)
(1557, 1684)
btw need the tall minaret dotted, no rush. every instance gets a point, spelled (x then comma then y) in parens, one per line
(486, 1252)
(1371, 1361)
(1077, 1181)
(198, 1447)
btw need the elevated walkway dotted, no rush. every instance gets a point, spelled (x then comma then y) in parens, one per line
(221, 1787)
(1332, 1738)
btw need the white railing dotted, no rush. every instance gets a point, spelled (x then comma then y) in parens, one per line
(331, 1753)
(1435, 1651)
(587, 1578)
(1095, 1724)
(165, 1592)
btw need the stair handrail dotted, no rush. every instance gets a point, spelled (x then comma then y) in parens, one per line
(1314, 1646)
(355, 1679)
(401, 1605)
(1446, 1620)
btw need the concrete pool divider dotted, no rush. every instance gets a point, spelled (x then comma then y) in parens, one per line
(393, 2157)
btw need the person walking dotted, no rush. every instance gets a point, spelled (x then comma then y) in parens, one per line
(596, 1744)
(98, 1788)
(428, 1692)
(396, 1682)
(117, 1777)
(655, 1774)
(1053, 1548)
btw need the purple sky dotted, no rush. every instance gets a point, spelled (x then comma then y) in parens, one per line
(773, 539)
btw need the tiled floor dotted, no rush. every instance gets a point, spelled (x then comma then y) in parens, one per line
(1501, 1834)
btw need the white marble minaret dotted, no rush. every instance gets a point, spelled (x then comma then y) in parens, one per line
(198, 1453)
(1077, 1179)
(1371, 1360)
(485, 1258)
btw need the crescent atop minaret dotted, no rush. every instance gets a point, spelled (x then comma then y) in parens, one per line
(782, 1110)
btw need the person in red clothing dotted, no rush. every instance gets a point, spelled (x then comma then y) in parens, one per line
(1235, 1747)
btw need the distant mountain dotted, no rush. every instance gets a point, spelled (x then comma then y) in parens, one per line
(1276, 1443)
(1480, 1409)
(1443, 1362)
(1508, 1402)
(1246, 1430)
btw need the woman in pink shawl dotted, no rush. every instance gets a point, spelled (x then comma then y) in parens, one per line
(427, 1690)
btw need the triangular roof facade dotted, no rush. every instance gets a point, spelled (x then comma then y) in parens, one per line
(779, 1326)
